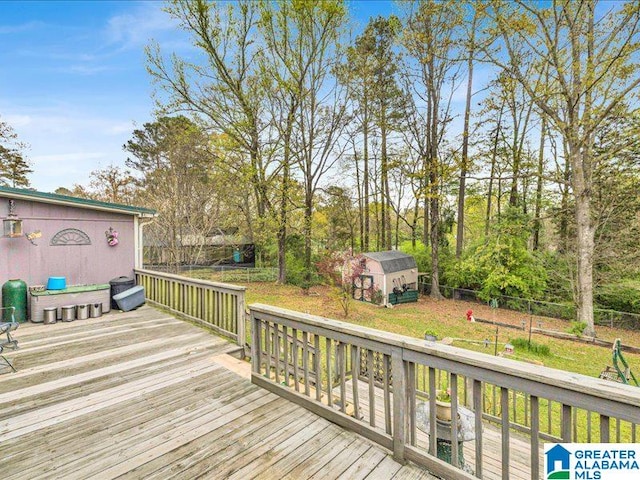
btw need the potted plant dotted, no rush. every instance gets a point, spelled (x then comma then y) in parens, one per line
(430, 335)
(443, 405)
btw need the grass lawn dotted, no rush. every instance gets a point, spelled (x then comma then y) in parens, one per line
(448, 319)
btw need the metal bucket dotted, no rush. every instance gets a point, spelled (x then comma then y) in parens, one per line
(68, 313)
(96, 310)
(82, 312)
(50, 315)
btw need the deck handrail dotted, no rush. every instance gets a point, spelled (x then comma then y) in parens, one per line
(338, 346)
(219, 306)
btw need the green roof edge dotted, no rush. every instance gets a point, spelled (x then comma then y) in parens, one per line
(34, 194)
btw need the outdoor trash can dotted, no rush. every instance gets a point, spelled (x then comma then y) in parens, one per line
(96, 310)
(68, 313)
(82, 312)
(50, 315)
(119, 285)
(130, 299)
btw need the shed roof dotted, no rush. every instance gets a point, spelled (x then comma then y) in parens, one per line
(393, 261)
(54, 198)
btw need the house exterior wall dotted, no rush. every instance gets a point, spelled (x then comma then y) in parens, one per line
(80, 264)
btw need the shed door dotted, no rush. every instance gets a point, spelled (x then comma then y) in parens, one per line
(362, 287)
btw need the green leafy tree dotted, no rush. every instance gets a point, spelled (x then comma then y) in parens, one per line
(503, 265)
(14, 167)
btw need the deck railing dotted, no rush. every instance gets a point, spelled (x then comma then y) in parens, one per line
(219, 306)
(384, 386)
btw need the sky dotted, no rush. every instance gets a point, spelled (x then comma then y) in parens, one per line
(73, 83)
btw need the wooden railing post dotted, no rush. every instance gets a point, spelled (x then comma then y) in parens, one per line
(256, 347)
(398, 373)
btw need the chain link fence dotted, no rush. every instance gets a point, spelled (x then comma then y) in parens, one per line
(224, 273)
(563, 311)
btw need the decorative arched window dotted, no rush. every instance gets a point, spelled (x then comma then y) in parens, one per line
(70, 236)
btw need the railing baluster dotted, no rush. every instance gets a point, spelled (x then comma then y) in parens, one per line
(343, 373)
(566, 423)
(305, 362)
(478, 409)
(604, 429)
(268, 348)
(386, 372)
(355, 355)
(399, 404)
(535, 443)
(256, 360)
(504, 403)
(329, 373)
(317, 359)
(453, 385)
(432, 412)
(285, 354)
(276, 345)
(411, 403)
(294, 351)
(372, 389)
(588, 426)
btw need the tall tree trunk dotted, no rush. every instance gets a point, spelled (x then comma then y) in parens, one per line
(494, 156)
(537, 224)
(464, 164)
(282, 228)
(585, 241)
(365, 173)
(384, 187)
(426, 218)
(360, 203)
(307, 227)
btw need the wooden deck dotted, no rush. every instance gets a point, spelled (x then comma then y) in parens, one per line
(144, 395)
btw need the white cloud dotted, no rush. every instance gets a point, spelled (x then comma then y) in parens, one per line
(18, 120)
(23, 27)
(136, 28)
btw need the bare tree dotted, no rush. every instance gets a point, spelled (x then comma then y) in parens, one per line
(591, 69)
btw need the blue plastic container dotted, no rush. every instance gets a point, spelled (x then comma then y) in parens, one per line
(57, 283)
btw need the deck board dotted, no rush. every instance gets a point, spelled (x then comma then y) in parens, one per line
(144, 395)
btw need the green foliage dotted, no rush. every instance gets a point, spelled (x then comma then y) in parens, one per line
(501, 266)
(296, 270)
(533, 347)
(14, 167)
(623, 296)
(577, 328)
(420, 252)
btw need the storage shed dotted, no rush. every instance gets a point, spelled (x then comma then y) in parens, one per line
(86, 241)
(392, 276)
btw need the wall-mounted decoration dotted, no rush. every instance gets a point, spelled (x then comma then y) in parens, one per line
(12, 225)
(112, 237)
(70, 236)
(33, 236)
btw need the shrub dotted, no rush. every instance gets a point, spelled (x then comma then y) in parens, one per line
(577, 328)
(420, 252)
(533, 347)
(623, 297)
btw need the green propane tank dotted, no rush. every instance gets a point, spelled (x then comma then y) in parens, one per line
(14, 294)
